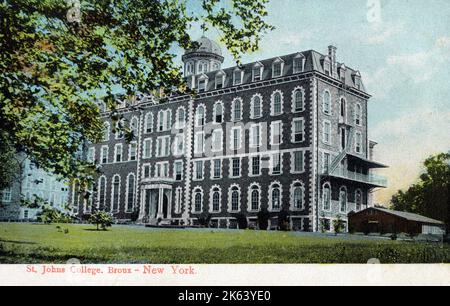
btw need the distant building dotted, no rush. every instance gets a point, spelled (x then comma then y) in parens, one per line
(36, 183)
(286, 133)
(382, 220)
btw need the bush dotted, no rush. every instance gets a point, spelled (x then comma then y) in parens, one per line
(204, 219)
(263, 219)
(50, 215)
(283, 221)
(241, 220)
(338, 225)
(101, 219)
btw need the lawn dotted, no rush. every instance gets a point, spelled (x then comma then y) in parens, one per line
(30, 243)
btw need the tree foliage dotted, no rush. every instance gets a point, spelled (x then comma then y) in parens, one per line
(430, 196)
(101, 220)
(53, 70)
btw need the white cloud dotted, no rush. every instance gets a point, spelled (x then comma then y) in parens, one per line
(405, 142)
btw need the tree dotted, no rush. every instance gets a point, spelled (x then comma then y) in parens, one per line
(9, 167)
(430, 196)
(338, 225)
(241, 220)
(53, 67)
(101, 219)
(263, 219)
(283, 220)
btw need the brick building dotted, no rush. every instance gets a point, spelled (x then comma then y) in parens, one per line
(283, 133)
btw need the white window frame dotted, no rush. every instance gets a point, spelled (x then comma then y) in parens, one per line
(197, 115)
(249, 196)
(233, 109)
(166, 143)
(292, 193)
(271, 189)
(294, 132)
(235, 83)
(144, 166)
(232, 138)
(116, 146)
(202, 78)
(178, 199)
(147, 148)
(217, 133)
(130, 147)
(276, 62)
(294, 92)
(195, 172)
(293, 170)
(324, 138)
(272, 103)
(127, 190)
(102, 154)
(255, 143)
(149, 122)
(179, 139)
(213, 177)
(214, 189)
(218, 103)
(8, 197)
(259, 66)
(343, 189)
(180, 124)
(360, 144)
(327, 184)
(272, 135)
(301, 57)
(230, 195)
(250, 166)
(231, 167)
(222, 75)
(175, 163)
(111, 208)
(195, 191)
(160, 167)
(358, 114)
(272, 162)
(325, 110)
(252, 106)
(196, 143)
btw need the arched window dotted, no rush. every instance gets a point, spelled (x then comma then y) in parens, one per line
(134, 126)
(256, 107)
(276, 197)
(161, 121)
(201, 113)
(181, 117)
(255, 198)
(343, 109)
(358, 199)
(168, 120)
(326, 102)
(101, 195)
(198, 200)
(131, 190)
(298, 104)
(115, 192)
(277, 104)
(237, 110)
(326, 197)
(297, 195)
(235, 199)
(106, 131)
(149, 123)
(343, 200)
(218, 112)
(358, 114)
(216, 200)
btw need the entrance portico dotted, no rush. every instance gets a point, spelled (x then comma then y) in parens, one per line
(156, 202)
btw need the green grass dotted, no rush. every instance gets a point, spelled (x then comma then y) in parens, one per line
(28, 243)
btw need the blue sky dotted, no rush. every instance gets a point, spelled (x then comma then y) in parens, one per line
(404, 59)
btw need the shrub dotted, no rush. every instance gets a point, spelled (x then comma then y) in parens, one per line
(241, 220)
(50, 215)
(204, 219)
(338, 225)
(283, 220)
(101, 219)
(263, 219)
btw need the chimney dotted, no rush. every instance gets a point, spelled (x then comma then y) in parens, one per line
(332, 54)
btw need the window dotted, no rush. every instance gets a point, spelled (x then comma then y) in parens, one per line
(220, 80)
(299, 64)
(178, 170)
(276, 133)
(277, 68)
(358, 114)
(181, 118)
(358, 200)
(276, 162)
(104, 154)
(200, 115)
(198, 170)
(149, 123)
(115, 193)
(217, 169)
(163, 146)
(236, 138)
(164, 120)
(298, 162)
(202, 85)
(326, 197)
(297, 196)
(298, 100)
(202, 67)
(358, 143)
(178, 199)
(101, 192)
(343, 200)
(237, 109)
(147, 148)
(235, 167)
(298, 130)
(216, 195)
(91, 155)
(134, 126)
(198, 200)
(255, 165)
(131, 190)
(276, 103)
(326, 162)
(199, 143)
(217, 142)
(189, 68)
(179, 145)
(132, 151)
(106, 131)
(327, 102)
(235, 197)
(256, 107)
(162, 170)
(275, 196)
(254, 198)
(255, 136)
(257, 72)
(343, 138)
(237, 77)
(327, 132)
(118, 153)
(6, 195)
(147, 171)
(218, 112)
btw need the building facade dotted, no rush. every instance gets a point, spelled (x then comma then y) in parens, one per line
(287, 133)
(35, 183)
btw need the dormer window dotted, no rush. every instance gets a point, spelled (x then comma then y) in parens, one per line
(277, 68)
(357, 77)
(237, 77)
(327, 66)
(257, 72)
(342, 72)
(201, 85)
(299, 63)
(220, 80)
